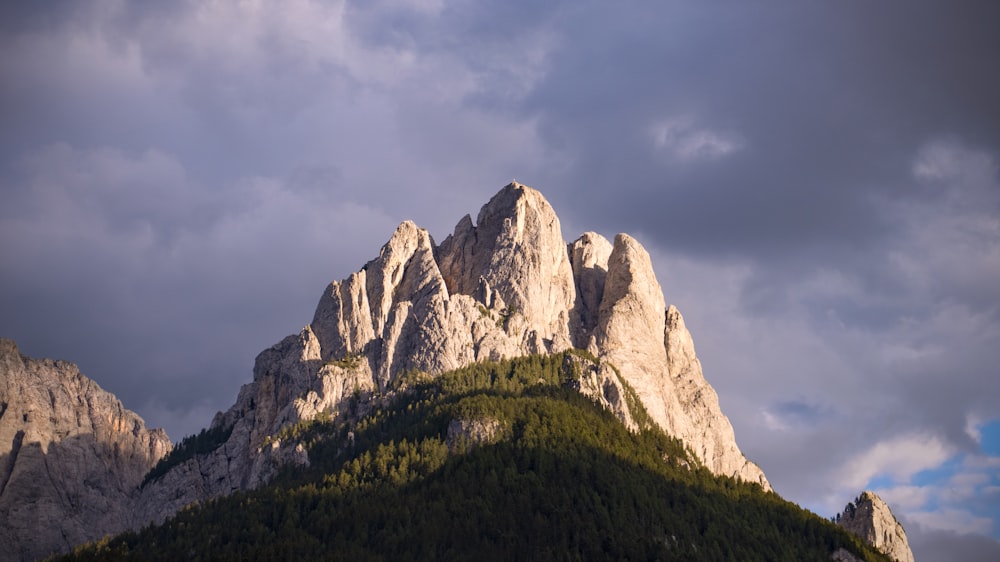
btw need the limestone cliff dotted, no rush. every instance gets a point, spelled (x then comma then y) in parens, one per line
(871, 519)
(71, 457)
(505, 286)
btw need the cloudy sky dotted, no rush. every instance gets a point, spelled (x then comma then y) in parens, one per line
(817, 183)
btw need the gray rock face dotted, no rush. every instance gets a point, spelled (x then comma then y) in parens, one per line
(871, 519)
(589, 256)
(71, 457)
(506, 286)
(842, 555)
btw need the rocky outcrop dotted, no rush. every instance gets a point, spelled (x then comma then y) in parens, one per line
(466, 433)
(286, 379)
(71, 457)
(508, 285)
(871, 519)
(602, 383)
(843, 555)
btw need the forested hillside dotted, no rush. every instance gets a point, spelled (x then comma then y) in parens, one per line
(496, 461)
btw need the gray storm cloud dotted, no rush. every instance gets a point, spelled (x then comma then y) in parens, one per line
(818, 186)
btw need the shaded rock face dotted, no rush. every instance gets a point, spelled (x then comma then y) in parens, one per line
(464, 434)
(842, 555)
(506, 286)
(71, 457)
(871, 519)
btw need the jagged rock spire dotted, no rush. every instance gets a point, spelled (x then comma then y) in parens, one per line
(871, 519)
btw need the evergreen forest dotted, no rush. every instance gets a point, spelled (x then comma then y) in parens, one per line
(549, 475)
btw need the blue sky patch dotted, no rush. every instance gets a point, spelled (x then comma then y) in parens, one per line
(880, 482)
(939, 474)
(990, 438)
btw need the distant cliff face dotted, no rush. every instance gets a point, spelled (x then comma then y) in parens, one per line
(871, 519)
(71, 457)
(506, 286)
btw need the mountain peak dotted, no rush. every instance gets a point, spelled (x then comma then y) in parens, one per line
(515, 252)
(505, 286)
(870, 518)
(514, 200)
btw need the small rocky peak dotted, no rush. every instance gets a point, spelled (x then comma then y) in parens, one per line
(8, 348)
(404, 271)
(871, 519)
(353, 312)
(517, 248)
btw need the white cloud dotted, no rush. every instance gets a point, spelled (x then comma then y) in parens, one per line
(962, 487)
(983, 462)
(774, 422)
(899, 457)
(963, 501)
(954, 520)
(686, 142)
(949, 161)
(905, 499)
(972, 423)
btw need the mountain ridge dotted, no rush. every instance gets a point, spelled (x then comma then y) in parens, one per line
(499, 460)
(71, 456)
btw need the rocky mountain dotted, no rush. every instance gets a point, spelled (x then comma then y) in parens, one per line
(507, 285)
(504, 286)
(871, 519)
(71, 457)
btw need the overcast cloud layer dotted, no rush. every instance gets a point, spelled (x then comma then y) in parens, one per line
(817, 182)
